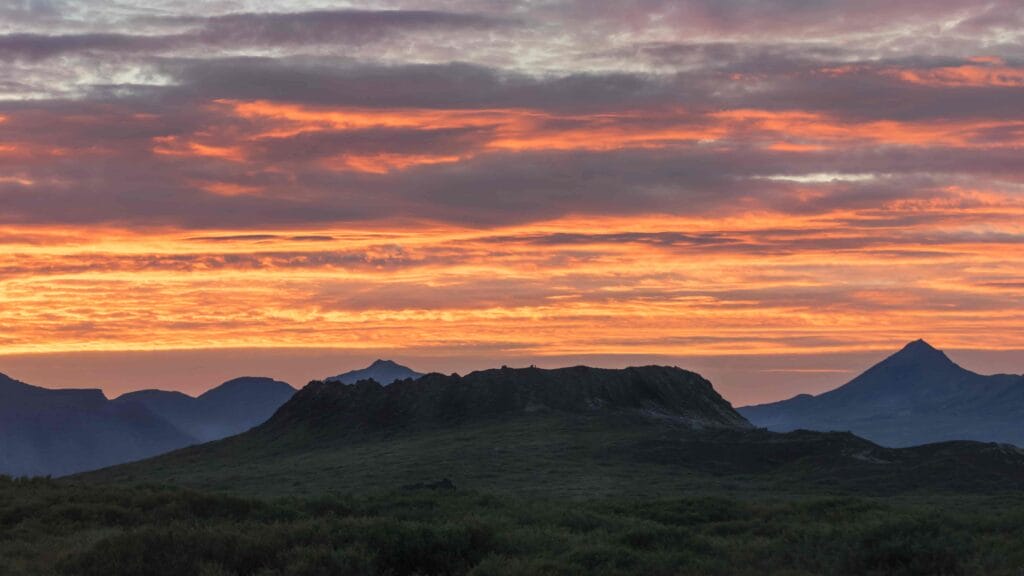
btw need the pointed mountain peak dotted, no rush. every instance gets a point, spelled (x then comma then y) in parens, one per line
(382, 371)
(920, 345)
(917, 365)
(919, 352)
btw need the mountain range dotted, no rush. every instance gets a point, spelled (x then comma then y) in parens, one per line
(915, 396)
(389, 415)
(55, 432)
(62, 431)
(568, 432)
(231, 408)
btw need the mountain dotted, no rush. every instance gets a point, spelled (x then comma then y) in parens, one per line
(571, 432)
(915, 396)
(56, 432)
(437, 400)
(382, 371)
(231, 408)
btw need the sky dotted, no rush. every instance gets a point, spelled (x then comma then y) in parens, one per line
(775, 192)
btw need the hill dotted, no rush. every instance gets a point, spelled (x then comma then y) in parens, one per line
(915, 396)
(56, 432)
(578, 432)
(382, 371)
(231, 408)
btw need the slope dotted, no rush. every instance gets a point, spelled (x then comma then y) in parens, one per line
(56, 432)
(915, 396)
(231, 408)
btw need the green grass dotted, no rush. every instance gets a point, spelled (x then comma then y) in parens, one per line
(60, 528)
(536, 494)
(564, 455)
(567, 456)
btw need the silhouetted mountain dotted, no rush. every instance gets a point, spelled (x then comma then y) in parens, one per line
(231, 408)
(579, 431)
(382, 371)
(436, 400)
(55, 432)
(915, 396)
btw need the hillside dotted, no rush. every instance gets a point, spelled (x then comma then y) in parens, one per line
(575, 432)
(437, 400)
(915, 396)
(231, 408)
(64, 431)
(56, 432)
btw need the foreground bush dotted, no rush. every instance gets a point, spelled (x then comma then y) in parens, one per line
(47, 527)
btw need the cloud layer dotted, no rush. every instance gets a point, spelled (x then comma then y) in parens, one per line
(558, 178)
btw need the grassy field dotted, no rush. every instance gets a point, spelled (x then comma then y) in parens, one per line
(563, 456)
(535, 493)
(572, 456)
(61, 528)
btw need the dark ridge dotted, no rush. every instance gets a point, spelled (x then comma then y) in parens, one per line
(248, 384)
(228, 409)
(436, 400)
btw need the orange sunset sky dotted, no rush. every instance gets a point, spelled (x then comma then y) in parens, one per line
(773, 193)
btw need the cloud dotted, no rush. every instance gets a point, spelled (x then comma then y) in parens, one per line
(549, 178)
(246, 30)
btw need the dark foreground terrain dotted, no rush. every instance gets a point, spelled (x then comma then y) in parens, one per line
(571, 471)
(64, 528)
(575, 432)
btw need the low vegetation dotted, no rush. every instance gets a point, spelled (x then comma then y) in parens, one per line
(62, 528)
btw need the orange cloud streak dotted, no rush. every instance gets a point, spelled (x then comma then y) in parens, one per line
(519, 130)
(747, 279)
(985, 71)
(762, 283)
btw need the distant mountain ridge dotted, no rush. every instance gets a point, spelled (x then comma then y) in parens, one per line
(56, 432)
(62, 431)
(383, 372)
(231, 408)
(916, 396)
